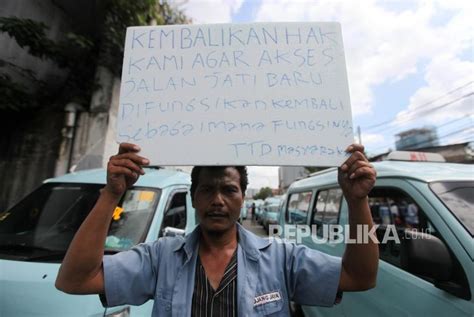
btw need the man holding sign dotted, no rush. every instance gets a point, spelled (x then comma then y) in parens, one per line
(247, 275)
(257, 94)
(250, 94)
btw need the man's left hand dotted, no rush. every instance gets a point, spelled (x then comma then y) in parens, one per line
(356, 176)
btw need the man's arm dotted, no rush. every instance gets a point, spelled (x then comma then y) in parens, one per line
(81, 271)
(360, 261)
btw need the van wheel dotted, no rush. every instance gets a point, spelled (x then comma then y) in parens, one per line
(295, 310)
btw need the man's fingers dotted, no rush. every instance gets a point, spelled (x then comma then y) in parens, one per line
(355, 147)
(128, 147)
(120, 170)
(356, 156)
(356, 165)
(365, 171)
(128, 164)
(137, 159)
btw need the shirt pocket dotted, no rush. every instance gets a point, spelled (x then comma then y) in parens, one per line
(269, 303)
(274, 308)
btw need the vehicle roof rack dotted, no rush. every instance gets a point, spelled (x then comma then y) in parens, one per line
(415, 156)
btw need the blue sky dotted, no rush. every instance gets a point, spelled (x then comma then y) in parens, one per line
(410, 63)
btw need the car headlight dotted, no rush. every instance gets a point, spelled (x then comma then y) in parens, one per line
(120, 313)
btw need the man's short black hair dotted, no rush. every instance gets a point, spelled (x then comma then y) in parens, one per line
(197, 170)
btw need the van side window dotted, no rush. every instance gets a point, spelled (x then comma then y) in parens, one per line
(326, 209)
(175, 212)
(391, 206)
(131, 220)
(298, 207)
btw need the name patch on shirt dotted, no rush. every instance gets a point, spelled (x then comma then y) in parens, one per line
(266, 298)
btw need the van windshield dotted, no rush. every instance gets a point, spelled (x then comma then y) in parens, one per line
(458, 197)
(45, 222)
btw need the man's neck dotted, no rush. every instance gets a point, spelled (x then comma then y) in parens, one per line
(219, 241)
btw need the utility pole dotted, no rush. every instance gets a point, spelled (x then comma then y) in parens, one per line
(358, 134)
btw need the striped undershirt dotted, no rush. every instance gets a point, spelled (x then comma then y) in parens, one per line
(221, 302)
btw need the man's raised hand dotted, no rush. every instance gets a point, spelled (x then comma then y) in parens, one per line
(124, 169)
(356, 175)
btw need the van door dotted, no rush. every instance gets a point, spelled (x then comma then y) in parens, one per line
(175, 215)
(326, 211)
(397, 203)
(317, 208)
(325, 215)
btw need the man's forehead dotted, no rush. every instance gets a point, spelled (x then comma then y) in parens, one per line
(218, 173)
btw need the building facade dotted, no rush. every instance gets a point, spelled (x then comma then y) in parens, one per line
(288, 174)
(416, 138)
(72, 129)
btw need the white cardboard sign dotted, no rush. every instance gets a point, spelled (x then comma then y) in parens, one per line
(240, 94)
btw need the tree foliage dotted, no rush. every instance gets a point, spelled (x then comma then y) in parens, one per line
(123, 13)
(72, 53)
(13, 96)
(78, 54)
(31, 35)
(264, 192)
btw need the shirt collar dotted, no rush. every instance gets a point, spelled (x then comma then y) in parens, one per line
(189, 242)
(251, 244)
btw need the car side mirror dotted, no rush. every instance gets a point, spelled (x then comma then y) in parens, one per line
(172, 232)
(426, 255)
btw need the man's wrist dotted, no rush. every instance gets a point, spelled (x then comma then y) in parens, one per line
(108, 194)
(354, 202)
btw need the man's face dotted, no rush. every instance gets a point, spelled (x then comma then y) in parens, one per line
(218, 198)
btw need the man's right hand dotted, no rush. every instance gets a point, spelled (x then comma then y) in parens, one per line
(124, 169)
(81, 271)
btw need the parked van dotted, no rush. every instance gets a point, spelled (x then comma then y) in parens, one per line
(36, 232)
(271, 211)
(430, 207)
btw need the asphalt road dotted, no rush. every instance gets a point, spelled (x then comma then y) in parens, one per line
(254, 227)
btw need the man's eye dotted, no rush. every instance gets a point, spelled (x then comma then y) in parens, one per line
(204, 189)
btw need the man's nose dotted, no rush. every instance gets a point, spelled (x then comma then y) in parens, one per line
(217, 199)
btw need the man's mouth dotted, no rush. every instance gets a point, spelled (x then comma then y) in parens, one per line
(216, 215)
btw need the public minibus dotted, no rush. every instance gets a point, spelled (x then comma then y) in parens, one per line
(424, 213)
(36, 232)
